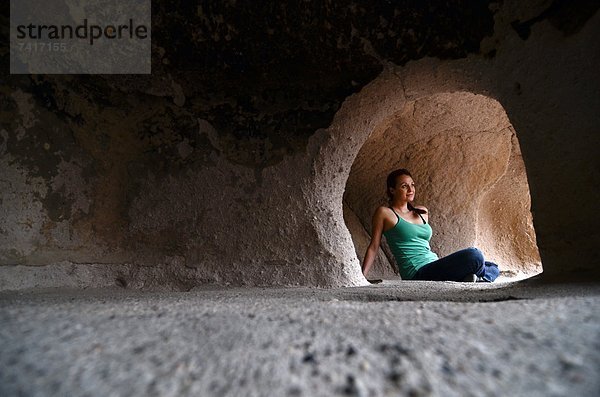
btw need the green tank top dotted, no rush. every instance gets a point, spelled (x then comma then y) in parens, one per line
(409, 243)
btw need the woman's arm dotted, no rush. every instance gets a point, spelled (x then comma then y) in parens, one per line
(371, 254)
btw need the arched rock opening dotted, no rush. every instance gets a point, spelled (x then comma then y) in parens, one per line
(464, 154)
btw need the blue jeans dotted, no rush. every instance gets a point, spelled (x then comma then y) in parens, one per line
(456, 266)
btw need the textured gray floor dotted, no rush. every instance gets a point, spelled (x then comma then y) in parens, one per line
(395, 338)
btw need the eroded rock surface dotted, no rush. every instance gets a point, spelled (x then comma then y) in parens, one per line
(228, 164)
(419, 338)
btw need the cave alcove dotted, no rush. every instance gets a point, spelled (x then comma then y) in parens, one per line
(466, 160)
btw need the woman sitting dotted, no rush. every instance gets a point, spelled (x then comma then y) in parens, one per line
(407, 233)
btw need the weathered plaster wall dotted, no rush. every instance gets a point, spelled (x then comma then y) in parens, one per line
(229, 163)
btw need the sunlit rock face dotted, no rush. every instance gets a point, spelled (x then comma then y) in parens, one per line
(229, 163)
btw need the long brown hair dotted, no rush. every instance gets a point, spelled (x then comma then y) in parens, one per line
(391, 183)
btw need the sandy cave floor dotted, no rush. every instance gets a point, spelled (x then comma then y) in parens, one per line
(394, 338)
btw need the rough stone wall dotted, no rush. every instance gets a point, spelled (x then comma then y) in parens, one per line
(504, 220)
(229, 163)
(551, 104)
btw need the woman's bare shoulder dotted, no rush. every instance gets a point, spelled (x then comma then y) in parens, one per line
(422, 207)
(381, 211)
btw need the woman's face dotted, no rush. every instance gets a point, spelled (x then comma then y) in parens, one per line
(405, 188)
